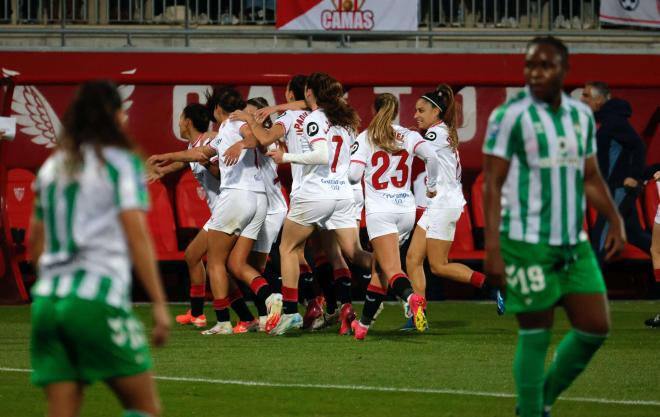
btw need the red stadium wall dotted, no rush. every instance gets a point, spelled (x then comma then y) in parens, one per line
(158, 85)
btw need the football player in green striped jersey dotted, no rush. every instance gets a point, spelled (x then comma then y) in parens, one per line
(88, 229)
(540, 164)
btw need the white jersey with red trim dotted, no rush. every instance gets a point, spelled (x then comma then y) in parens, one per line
(450, 190)
(292, 122)
(276, 201)
(386, 175)
(209, 183)
(245, 174)
(327, 181)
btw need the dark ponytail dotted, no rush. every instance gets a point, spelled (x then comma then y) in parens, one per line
(329, 95)
(443, 99)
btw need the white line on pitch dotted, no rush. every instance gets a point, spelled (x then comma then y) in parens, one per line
(375, 389)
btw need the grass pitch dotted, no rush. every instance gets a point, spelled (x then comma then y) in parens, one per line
(460, 367)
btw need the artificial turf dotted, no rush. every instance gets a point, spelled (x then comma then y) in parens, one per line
(463, 363)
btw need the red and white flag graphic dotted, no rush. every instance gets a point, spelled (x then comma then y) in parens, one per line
(333, 15)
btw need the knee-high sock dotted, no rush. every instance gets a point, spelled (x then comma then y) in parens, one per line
(529, 370)
(573, 354)
(197, 295)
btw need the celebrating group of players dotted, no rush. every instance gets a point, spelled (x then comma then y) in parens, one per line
(316, 133)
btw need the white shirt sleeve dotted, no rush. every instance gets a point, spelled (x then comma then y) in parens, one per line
(318, 155)
(424, 151)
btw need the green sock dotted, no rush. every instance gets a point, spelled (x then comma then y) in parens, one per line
(135, 413)
(529, 369)
(573, 354)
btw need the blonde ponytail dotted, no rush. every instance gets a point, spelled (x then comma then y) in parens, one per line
(380, 132)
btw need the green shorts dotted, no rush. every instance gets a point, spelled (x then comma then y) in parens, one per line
(84, 340)
(539, 275)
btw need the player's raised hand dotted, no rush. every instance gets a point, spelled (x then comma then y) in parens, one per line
(232, 154)
(240, 115)
(277, 155)
(262, 114)
(157, 160)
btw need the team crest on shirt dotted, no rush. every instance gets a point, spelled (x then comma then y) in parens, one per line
(312, 129)
(430, 136)
(354, 147)
(201, 193)
(36, 116)
(19, 193)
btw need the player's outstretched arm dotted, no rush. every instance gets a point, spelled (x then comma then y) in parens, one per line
(598, 195)
(318, 155)
(261, 114)
(141, 249)
(264, 136)
(495, 172)
(198, 154)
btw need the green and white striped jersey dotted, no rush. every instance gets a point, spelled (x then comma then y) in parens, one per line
(543, 194)
(85, 249)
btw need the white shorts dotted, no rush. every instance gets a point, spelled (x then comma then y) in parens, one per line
(358, 198)
(440, 223)
(326, 214)
(269, 232)
(239, 212)
(380, 224)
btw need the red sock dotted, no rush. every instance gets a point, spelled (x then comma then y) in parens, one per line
(656, 272)
(477, 279)
(290, 300)
(305, 269)
(198, 290)
(289, 294)
(221, 303)
(377, 290)
(257, 283)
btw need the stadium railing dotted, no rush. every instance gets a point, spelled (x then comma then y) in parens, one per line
(191, 18)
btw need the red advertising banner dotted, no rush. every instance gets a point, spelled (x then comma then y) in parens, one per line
(155, 99)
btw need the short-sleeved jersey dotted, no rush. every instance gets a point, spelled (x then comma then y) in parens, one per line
(386, 175)
(85, 249)
(292, 121)
(542, 196)
(327, 181)
(450, 190)
(209, 183)
(276, 201)
(245, 174)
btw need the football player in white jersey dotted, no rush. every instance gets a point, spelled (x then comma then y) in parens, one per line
(239, 211)
(287, 132)
(436, 113)
(88, 230)
(193, 126)
(322, 195)
(383, 154)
